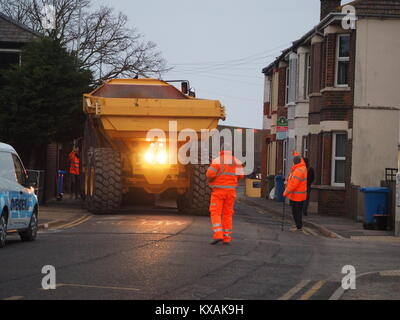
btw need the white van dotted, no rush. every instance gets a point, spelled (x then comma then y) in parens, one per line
(18, 203)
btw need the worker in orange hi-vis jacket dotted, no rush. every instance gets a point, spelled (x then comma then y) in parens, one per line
(223, 175)
(296, 190)
(74, 172)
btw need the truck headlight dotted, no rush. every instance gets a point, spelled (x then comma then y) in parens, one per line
(156, 154)
(149, 157)
(162, 157)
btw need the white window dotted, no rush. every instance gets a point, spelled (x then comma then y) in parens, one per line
(342, 60)
(305, 147)
(287, 85)
(339, 142)
(307, 83)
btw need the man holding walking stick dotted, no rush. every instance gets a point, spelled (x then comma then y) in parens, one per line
(296, 190)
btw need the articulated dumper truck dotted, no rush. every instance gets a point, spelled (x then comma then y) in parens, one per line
(118, 156)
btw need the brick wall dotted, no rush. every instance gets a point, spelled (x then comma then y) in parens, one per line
(330, 202)
(326, 158)
(330, 60)
(281, 87)
(267, 108)
(328, 6)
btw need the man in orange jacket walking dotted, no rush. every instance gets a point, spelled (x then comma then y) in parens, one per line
(223, 175)
(74, 171)
(296, 190)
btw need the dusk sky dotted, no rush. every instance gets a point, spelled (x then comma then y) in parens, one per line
(221, 46)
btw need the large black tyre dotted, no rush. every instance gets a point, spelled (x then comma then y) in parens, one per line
(196, 200)
(105, 188)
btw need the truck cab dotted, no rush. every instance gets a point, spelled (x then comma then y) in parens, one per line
(18, 202)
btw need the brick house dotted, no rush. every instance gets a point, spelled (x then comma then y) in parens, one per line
(339, 90)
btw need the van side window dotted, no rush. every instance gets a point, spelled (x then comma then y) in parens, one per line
(19, 170)
(7, 168)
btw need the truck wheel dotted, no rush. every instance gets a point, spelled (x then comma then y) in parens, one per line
(31, 233)
(196, 201)
(3, 231)
(105, 190)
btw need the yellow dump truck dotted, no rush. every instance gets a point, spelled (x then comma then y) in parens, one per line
(117, 155)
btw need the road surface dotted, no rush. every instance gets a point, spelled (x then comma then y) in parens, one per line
(148, 253)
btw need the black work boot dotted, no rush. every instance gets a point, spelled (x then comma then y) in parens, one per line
(216, 241)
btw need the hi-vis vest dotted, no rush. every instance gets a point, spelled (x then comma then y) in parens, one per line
(296, 187)
(226, 170)
(74, 164)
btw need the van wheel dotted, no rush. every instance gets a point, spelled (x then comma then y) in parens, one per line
(3, 231)
(31, 233)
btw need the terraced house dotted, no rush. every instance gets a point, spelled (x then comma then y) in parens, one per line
(338, 88)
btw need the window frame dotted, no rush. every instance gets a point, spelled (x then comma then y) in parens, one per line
(335, 158)
(339, 59)
(307, 84)
(19, 51)
(304, 146)
(287, 85)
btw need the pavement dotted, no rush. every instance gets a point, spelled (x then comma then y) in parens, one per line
(62, 214)
(144, 253)
(329, 226)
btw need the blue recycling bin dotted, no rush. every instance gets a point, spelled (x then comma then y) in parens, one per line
(376, 205)
(280, 187)
(60, 183)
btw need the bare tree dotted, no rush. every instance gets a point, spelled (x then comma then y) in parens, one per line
(100, 38)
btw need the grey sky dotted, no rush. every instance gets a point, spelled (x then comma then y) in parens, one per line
(206, 41)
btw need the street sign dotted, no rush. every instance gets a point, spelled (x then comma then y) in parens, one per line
(282, 128)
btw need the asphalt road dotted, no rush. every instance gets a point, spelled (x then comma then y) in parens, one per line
(146, 253)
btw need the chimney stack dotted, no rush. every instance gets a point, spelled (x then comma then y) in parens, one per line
(328, 6)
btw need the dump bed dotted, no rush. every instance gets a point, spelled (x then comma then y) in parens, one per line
(129, 108)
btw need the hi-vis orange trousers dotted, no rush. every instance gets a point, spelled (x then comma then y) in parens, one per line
(221, 209)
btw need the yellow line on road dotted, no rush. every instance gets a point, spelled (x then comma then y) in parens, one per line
(313, 290)
(95, 287)
(75, 223)
(14, 298)
(294, 290)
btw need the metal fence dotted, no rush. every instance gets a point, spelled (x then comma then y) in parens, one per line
(390, 174)
(36, 179)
